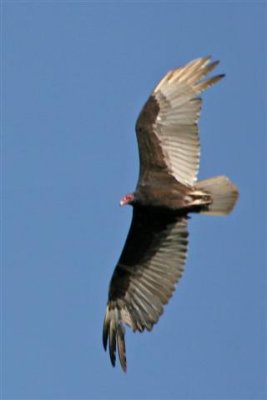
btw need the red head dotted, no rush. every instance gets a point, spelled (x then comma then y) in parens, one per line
(127, 199)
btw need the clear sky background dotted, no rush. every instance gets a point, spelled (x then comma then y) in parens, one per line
(75, 76)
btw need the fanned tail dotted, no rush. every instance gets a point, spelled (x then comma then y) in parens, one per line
(223, 192)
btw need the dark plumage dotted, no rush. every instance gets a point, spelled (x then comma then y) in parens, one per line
(154, 254)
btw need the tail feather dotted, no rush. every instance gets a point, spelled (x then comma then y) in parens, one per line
(223, 192)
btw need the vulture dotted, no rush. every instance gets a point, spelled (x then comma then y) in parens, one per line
(152, 260)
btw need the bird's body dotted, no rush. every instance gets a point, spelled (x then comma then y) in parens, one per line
(154, 254)
(171, 195)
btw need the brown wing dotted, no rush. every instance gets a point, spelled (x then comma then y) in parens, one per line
(167, 130)
(144, 279)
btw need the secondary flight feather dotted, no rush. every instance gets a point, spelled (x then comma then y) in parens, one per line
(154, 254)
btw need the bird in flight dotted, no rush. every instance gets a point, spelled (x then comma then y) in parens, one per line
(154, 254)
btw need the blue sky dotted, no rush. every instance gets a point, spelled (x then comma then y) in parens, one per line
(75, 76)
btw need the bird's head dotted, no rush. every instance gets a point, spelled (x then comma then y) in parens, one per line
(129, 198)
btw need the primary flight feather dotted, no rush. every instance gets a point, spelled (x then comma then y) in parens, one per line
(153, 257)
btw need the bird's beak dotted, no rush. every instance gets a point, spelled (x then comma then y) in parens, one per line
(127, 199)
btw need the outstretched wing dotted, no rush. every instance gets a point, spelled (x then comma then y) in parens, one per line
(144, 279)
(166, 128)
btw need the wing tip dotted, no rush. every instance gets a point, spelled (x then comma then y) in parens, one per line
(121, 347)
(193, 73)
(113, 337)
(105, 330)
